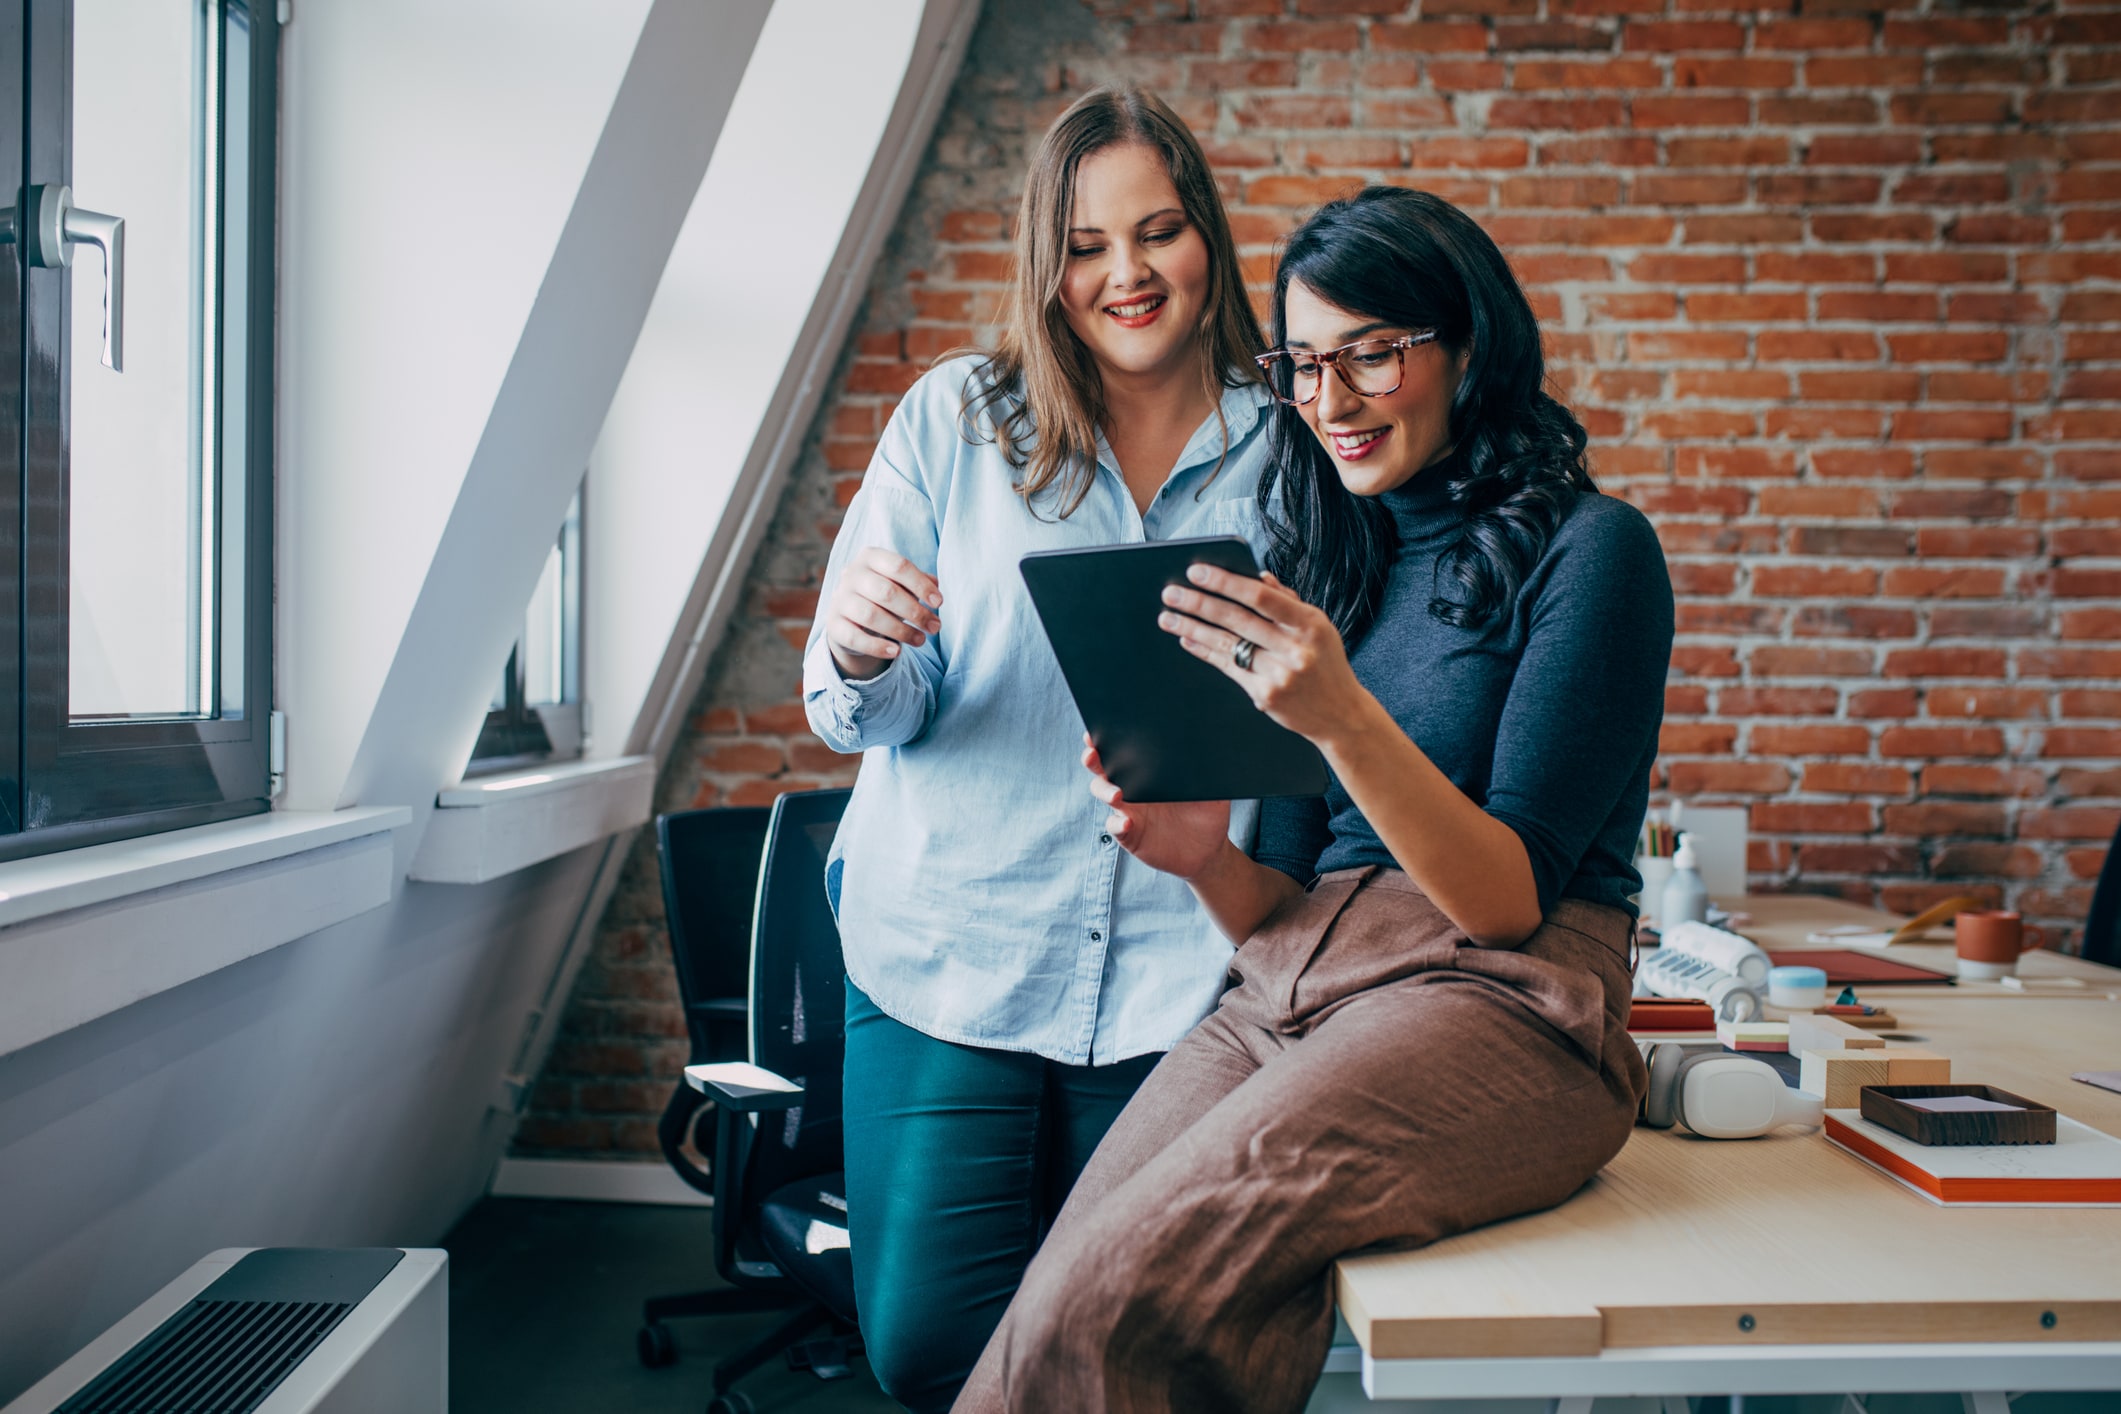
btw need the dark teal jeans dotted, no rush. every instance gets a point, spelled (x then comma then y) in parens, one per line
(957, 1159)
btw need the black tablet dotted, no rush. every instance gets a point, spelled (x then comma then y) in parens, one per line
(1169, 726)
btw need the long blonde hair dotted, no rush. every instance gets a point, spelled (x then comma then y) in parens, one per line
(1039, 390)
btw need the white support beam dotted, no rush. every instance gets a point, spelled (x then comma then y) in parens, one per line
(713, 420)
(430, 158)
(603, 274)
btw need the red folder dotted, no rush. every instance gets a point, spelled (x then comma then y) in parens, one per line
(1670, 1014)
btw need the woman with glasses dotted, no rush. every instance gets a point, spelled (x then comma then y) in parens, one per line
(1013, 973)
(1428, 1027)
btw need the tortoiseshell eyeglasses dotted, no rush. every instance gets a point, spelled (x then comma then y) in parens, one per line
(1368, 368)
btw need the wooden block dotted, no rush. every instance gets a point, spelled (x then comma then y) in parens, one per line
(1911, 1065)
(1836, 1076)
(2029, 1123)
(1810, 1031)
(1754, 1035)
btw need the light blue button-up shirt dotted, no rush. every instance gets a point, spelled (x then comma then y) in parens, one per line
(980, 899)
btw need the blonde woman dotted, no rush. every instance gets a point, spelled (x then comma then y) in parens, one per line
(1013, 972)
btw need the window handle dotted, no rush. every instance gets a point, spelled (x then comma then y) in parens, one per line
(56, 227)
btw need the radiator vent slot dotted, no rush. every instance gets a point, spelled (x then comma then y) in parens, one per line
(212, 1357)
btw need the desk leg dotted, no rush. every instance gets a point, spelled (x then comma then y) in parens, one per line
(1581, 1404)
(1988, 1401)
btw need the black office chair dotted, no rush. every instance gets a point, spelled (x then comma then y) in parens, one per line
(710, 865)
(2102, 929)
(779, 1193)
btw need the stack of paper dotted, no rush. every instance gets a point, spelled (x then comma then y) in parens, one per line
(2081, 1168)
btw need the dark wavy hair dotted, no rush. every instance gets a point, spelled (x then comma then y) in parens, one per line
(1414, 260)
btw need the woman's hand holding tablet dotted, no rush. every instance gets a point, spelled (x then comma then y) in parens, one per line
(1167, 727)
(1296, 667)
(1181, 838)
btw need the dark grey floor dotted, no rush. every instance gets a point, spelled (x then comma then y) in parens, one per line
(544, 1299)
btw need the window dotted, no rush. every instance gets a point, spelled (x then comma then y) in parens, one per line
(537, 710)
(136, 309)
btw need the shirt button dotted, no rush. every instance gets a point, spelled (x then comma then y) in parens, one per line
(1104, 839)
(1096, 937)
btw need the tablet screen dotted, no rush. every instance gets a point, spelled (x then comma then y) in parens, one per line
(1169, 726)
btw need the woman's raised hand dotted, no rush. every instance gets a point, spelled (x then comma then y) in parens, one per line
(1181, 838)
(884, 601)
(1298, 672)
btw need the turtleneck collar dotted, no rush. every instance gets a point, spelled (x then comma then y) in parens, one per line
(1421, 509)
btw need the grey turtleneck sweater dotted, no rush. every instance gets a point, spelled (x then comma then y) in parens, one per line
(1547, 717)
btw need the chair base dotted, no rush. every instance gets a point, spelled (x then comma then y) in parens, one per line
(829, 1358)
(721, 1301)
(654, 1343)
(805, 1318)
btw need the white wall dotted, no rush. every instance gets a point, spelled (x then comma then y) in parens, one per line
(711, 356)
(456, 205)
(333, 1091)
(338, 1089)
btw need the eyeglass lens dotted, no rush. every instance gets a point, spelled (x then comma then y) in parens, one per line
(1371, 368)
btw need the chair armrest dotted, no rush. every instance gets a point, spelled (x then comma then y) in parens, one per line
(744, 1088)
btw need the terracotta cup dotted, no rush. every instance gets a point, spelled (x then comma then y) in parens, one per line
(1989, 942)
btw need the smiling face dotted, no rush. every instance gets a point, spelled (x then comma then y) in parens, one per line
(1380, 443)
(1135, 279)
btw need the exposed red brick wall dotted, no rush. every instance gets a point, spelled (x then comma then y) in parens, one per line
(1837, 291)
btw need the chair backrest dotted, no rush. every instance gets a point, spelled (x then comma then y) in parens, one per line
(711, 861)
(798, 992)
(2102, 929)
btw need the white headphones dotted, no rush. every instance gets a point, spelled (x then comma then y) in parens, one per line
(1719, 1095)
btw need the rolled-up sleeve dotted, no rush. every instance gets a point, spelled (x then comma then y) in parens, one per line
(891, 511)
(889, 709)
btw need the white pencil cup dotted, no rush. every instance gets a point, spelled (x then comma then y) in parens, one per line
(1656, 872)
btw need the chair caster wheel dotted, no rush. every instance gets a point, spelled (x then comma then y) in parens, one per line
(734, 1402)
(656, 1346)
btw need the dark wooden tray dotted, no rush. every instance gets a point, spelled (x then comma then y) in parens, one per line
(2033, 1123)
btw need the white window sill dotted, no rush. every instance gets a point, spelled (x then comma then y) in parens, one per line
(89, 931)
(495, 825)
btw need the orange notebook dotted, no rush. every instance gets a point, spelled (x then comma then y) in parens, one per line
(2082, 1168)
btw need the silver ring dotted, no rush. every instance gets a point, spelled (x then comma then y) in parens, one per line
(1242, 654)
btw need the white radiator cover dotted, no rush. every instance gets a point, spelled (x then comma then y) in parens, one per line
(389, 1355)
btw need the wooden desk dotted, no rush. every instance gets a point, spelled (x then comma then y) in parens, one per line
(1782, 1246)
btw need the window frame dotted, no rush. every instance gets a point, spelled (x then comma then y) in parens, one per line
(73, 783)
(521, 733)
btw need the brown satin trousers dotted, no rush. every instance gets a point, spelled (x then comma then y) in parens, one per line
(1371, 1080)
